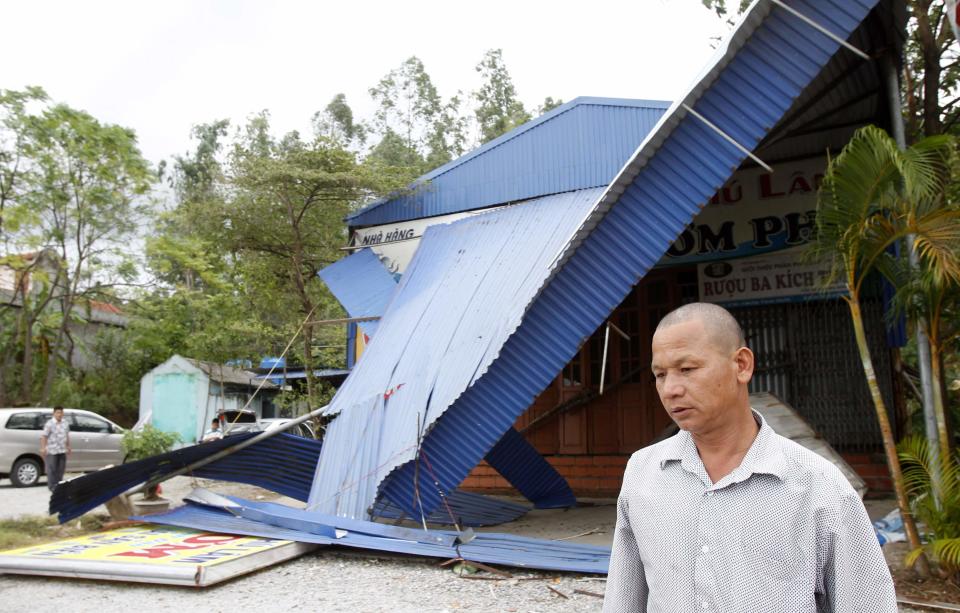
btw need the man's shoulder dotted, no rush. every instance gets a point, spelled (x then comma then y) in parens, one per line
(813, 468)
(653, 455)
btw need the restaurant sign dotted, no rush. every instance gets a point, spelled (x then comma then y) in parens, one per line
(769, 278)
(755, 212)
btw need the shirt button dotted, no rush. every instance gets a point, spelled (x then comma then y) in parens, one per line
(704, 605)
(710, 493)
(704, 549)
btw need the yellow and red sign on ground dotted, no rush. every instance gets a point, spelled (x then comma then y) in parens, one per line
(153, 554)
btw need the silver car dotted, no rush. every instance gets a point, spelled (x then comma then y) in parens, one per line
(94, 441)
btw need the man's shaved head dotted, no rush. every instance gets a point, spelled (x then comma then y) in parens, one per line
(722, 327)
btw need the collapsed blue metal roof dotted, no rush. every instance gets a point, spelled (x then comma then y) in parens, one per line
(459, 300)
(283, 464)
(276, 521)
(578, 145)
(435, 391)
(362, 285)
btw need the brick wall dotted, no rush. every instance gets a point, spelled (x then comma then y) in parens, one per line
(600, 476)
(872, 468)
(597, 476)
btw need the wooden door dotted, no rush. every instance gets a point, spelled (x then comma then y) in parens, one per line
(641, 415)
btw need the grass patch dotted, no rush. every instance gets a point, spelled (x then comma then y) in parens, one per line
(30, 530)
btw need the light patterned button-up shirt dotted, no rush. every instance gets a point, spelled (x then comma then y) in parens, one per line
(782, 532)
(56, 433)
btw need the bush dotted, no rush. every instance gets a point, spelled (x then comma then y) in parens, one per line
(147, 442)
(935, 501)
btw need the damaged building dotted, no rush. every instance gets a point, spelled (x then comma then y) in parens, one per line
(587, 241)
(505, 304)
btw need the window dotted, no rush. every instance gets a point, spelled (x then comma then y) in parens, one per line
(26, 421)
(88, 423)
(572, 376)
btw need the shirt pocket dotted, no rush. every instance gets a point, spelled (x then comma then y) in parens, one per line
(770, 546)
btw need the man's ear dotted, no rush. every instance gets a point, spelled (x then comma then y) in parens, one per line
(744, 360)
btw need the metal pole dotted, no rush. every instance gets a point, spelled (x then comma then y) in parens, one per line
(727, 137)
(892, 82)
(230, 450)
(603, 364)
(819, 28)
(606, 343)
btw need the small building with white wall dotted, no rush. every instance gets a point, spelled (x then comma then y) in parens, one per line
(183, 395)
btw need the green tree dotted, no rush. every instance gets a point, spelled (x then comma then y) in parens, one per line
(498, 109)
(548, 105)
(931, 71)
(90, 194)
(873, 196)
(417, 129)
(931, 68)
(22, 307)
(284, 220)
(336, 123)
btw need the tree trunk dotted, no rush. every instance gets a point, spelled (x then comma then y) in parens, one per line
(943, 436)
(308, 362)
(889, 445)
(54, 357)
(26, 363)
(930, 52)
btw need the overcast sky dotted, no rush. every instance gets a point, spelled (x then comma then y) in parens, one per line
(161, 67)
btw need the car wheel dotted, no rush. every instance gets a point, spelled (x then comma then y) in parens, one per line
(26, 472)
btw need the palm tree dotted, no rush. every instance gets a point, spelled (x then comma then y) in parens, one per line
(934, 485)
(930, 296)
(873, 196)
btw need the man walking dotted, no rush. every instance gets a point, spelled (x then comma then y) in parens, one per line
(55, 447)
(727, 515)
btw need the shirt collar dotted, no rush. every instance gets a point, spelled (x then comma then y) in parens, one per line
(764, 456)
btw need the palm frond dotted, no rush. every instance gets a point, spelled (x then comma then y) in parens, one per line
(947, 552)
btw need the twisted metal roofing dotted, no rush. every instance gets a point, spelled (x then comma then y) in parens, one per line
(283, 463)
(362, 285)
(295, 525)
(429, 368)
(459, 300)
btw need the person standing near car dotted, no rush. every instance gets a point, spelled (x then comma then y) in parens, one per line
(55, 447)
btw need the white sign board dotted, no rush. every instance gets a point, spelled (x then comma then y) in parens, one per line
(775, 277)
(396, 243)
(755, 212)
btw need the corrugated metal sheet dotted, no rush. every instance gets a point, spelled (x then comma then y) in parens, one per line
(578, 145)
(460, 299)
(523, 466)
(284, 463)
(769, 61)
(362, 285)
(460, 507)
(486, 547)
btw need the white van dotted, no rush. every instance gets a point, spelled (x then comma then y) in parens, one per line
(94, 441)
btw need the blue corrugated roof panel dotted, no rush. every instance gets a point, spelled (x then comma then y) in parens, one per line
(461, 297)
(578, 145)
(284, 463)
(670, 178)
(465, 509)
(523, 466)
(486, 547)
(362, 285)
